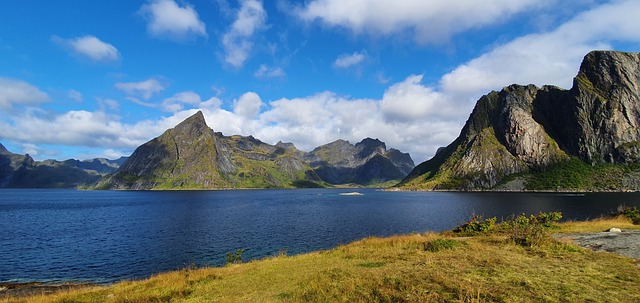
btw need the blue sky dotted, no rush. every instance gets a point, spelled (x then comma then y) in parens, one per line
(83, 79)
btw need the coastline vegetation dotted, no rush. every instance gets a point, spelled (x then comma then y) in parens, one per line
(516, 260)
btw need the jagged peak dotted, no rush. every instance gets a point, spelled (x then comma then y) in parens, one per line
(369, 142)
(3, 150)
(194, 122)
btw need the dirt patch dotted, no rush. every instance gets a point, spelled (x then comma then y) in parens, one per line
(626, 243)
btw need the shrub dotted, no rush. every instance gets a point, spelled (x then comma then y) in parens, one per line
(476, 225)
(441, 244)
(531, 231)
(235, 258)
(630, 212)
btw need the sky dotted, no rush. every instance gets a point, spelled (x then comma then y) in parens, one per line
(85, 79)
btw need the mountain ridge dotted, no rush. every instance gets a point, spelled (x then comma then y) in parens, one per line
(529, 130)
(193, 156)
(22, 171)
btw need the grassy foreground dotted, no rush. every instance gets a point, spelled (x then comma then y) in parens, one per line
(429, 267)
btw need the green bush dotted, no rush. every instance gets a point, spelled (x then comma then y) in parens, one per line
(476, 225)
(531, 231)
(630, 212)
(441, 244)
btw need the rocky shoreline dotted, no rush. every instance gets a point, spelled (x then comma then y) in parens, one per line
(625, 242)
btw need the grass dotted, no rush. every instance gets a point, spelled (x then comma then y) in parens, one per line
(427, 267)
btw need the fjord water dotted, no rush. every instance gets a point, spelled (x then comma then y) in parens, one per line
(105, 236)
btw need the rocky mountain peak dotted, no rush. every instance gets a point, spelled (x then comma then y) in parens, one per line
(3, 150)
(607, 70)
(370, 146)
(193, 126)
(525, 128)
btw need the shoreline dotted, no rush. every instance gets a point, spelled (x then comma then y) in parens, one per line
(26, 289)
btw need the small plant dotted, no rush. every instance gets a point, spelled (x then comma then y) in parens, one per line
(630, 212)
(441, 244)
(476, 225)
(235, 258)
(531, 231)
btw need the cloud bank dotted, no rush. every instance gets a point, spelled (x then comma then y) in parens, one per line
(428, 21)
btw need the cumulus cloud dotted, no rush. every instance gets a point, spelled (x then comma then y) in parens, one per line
(237, 42)
(429, 21)
(143, 89)
(349, 60)
(248, 105)
(265, 71)
(91, 48)
(545, 58)
(409, 100)
(166, 19)
(178, 102)
(18, 92)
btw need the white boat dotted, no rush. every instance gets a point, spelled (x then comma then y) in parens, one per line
(354, 193)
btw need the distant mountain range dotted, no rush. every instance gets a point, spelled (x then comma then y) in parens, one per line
(22, 171)
(525, 137)
(193, 156)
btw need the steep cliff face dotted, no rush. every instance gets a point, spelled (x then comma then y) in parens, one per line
(606, 115)
(529, 129)
(192, 155)
(366, 162)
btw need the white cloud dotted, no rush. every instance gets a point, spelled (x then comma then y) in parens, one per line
(143, 89)
(248, 105)
(409, 101)
(178, 101)
(265, 71)
(237, 41)
(545, 58)
(166, 19)
(90, 47)
(349, 60)
(13, 91)
(429, 21)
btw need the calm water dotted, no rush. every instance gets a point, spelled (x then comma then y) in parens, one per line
(104, 236)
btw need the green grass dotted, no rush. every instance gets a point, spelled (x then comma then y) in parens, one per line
(427, 267)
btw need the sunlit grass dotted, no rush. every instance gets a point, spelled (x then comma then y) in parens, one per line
(484, 268)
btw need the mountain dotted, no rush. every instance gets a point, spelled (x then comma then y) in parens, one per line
(366, 162)
(22, 171)
(585, 138)
(193, 156)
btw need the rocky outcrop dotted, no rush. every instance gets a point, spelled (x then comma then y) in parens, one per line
(366, 162)
(525, 128)
(22, 171)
